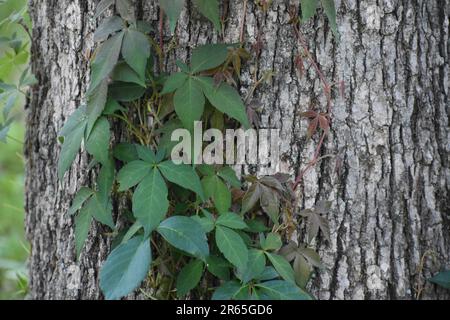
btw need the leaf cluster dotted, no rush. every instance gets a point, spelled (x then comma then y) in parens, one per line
(191, 227)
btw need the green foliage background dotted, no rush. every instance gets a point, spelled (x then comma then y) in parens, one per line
(13, 246)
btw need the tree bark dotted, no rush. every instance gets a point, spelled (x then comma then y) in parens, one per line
(389, 221)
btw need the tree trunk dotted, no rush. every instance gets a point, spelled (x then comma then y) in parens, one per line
(389, 221)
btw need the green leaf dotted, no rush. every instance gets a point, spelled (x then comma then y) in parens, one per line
(282, 290)
(125, 9)
(309, 8)
(173, 82)
(136, 51)
(83, 194)
(270, 203)
(232, 246)
(73, 134)
(330, 11)
(282, 266)
(271, 242)
(76, 120)
(125, 268)
(229, 175)
(256, 226)
(132, 173)
(111, 107)
(206, 223)
(124, 73)
(182, 175)
(218, 191)
(251, 197)
(146, 153)
(98, 143)
(96, 104)
(108, 26)
(131, 231)
(189, 103)
(231, 220)
(269, 273)
(227, 291)
(302, 271)
(442, 279)
(126, 91)
(218, 267)
(255, 266)
(185, 234)
(173, 10)
(100, 211)
(208, 56)
(225, 99)
(210, 9)
(189, 277)
(82, 225)
(105, 181)
(150, 202)
(105, 60)
(125, 152)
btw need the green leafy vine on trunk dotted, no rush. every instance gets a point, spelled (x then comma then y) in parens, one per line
(195, 231)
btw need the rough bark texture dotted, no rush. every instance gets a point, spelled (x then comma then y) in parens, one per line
(391, 196)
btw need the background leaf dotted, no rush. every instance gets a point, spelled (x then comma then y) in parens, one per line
(309, 8)
(229, 175)
(442, 279)
(330, 11)
(173, 10)
(189, 277)
(218, 267)
(210, 9)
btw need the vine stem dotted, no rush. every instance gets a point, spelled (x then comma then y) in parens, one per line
(327, 92)
(161, 31)
(241, 33)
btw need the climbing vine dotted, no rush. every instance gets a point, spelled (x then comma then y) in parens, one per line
(193, 230)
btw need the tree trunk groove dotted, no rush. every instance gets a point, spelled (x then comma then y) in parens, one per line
(389, 222)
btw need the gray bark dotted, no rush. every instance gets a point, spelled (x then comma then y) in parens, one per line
(391, 196)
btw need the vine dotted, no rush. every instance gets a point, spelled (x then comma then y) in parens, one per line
(194, 230)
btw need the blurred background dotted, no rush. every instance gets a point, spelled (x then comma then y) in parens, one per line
(15, 77)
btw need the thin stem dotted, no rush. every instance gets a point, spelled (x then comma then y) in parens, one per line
(241, 34)
(14, 139)
(327, 93)
(161, 31)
